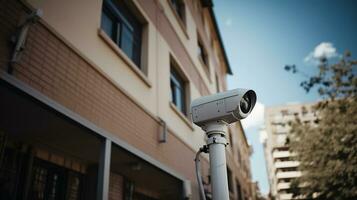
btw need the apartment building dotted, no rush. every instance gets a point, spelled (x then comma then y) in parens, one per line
(94, 99)
(238, 164)
(282, 167)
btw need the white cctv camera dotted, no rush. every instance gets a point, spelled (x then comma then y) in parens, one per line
(212, 113)
(229, 106)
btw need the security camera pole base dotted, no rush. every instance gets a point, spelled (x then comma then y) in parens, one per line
(217, 143)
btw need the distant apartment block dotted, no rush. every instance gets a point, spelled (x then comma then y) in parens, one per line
(95, 95)
(282, 167)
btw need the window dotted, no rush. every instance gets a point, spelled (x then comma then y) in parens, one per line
(199, 9)
(178, 93)
(51, 181)
(179, 7)
(123, 28)
(202, 54)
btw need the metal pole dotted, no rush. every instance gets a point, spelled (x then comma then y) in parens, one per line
(104, 170)
(217, 154)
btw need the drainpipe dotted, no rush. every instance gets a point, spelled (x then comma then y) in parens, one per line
(21, 37)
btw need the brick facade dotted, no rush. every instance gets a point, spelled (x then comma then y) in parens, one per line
(164, 26)
(50, 66)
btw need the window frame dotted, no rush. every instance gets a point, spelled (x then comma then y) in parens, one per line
(177, 80)
(185, 117)
(124, 19)
(180, 18)
(202, 55)
(63, 184)
(179, 9)
(141, 71)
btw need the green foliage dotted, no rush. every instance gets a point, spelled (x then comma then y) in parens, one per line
(327, 149)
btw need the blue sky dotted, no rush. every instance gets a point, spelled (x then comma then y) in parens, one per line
(260, 37)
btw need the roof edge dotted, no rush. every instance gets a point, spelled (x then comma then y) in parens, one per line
(209, 4)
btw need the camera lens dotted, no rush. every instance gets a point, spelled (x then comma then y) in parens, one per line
(245, 103)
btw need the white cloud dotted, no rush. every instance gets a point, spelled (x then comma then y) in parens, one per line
(324, 49)
(228, 22)
(256, 118)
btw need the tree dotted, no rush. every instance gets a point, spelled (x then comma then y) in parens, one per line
(327, 148)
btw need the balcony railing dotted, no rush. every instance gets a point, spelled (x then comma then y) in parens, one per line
(286, 164)
(286, 196)
(282, 186)
(293, 174)
(281, 154)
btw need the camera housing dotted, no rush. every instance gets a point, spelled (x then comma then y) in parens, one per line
(229, 106)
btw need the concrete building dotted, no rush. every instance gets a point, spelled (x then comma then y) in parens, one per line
(281, 164)
(94, 99)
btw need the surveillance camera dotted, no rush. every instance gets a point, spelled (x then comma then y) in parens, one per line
(229, 106)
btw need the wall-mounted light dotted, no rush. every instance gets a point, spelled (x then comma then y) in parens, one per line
(162, 131)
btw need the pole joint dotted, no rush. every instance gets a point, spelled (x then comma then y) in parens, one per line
(217, 139)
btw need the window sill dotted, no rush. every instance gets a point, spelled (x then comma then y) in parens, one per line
(179, 20)
(182, 116)
(124, 57)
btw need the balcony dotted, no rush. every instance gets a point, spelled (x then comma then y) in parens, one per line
(286, 196)
(286, 164)
(282, 186)
(281, 154)
(293, 174)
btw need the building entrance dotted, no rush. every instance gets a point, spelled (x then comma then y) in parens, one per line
(44, 155)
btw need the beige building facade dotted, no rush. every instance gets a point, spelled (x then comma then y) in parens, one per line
(282, 166)
(95, 99)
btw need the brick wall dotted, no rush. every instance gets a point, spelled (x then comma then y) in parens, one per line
(53, 68)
